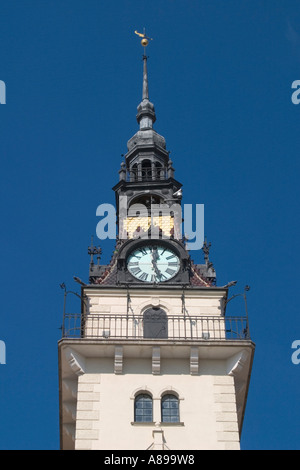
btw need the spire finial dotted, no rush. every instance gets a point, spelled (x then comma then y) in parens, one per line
(93, 250)
(205, 249)
(145, 40)
(146, 113)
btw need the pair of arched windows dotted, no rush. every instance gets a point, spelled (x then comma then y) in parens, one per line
(143, 408)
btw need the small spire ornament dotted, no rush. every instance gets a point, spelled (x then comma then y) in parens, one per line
(93, 250)
(145, 39)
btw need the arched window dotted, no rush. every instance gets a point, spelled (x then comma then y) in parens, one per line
(143, 408)
(169, 409)
(134, 172)
(159, 171)
(146, 170)
(155, 323)
(147, 200)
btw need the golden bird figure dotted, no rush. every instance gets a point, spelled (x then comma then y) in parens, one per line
(140, 34)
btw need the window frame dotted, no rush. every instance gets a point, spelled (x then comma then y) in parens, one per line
(139, 396)
(175, 398)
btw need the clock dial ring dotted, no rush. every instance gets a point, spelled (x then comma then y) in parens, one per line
(153, 263)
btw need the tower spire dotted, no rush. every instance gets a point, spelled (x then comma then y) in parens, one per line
(146, 113)
(144, 43)
(145, 80)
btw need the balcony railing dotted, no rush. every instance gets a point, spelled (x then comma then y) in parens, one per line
(146, 174)
(176, 327)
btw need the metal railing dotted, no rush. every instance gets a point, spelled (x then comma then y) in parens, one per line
(175, 327)
(146, 174)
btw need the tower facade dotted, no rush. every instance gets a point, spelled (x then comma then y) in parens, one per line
(152, 361)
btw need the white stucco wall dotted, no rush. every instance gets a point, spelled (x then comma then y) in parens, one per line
(105, 409)
(107, 372)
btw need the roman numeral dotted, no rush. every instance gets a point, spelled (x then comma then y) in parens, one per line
(170, 271)
(133, 263)
(136, 270)
(143, 251)
(172, 263)
(143, 277)
(171, 256)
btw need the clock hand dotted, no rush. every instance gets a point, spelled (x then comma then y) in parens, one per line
(154, 262)
(155, 255)
(157, 271)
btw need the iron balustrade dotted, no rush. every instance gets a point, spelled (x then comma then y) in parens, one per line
(146, 174)
(137, 327)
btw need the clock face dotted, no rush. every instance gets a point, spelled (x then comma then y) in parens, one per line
(153, 264)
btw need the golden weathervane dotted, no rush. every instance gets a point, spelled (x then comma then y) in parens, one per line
(145, 40)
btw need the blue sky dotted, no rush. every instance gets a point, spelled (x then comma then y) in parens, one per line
(220, 75)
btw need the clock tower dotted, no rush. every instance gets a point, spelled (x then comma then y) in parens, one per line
(152, 360)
